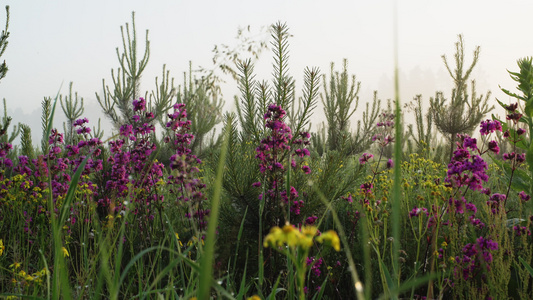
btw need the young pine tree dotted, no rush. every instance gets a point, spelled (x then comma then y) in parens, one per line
(340, 100)
(464, 111)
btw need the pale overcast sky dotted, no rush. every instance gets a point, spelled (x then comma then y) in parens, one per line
(54, 42)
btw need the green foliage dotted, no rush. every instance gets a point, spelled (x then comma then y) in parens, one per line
(201, 96)
(6, 121)
(248, 109)
(206, 269)
(283, 91)
(524, 78)
(340, 103)
(73, 109)
(164, 95)
(423, 139)
(46, 115)
(3, 45)
(319, 140)
(464, 111)
(340, 100)
(521, 180)
(6, 137)
(424, 134)
(204, 107)
(26, 142)
(117, 103)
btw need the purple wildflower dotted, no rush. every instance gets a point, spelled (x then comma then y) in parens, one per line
(390, 163)
(523, 196)
(489, 126)
(493, 147)
(364, 158)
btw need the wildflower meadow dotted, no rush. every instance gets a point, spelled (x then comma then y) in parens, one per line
(186, 201)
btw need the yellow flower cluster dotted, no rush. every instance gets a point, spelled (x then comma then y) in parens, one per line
(17, 191)
(292, 237)
(424, 177)
(22, 276)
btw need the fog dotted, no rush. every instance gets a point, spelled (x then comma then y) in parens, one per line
(55, 42)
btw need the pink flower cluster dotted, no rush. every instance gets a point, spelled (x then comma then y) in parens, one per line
(273, 151)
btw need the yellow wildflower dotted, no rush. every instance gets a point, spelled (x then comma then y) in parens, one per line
(331, 238)
(178, 238)
(254, 297)
(292, 235)
(65, 252)
(2, 247)
(274, 238)
(194, 240)
(14, 265)
(308, 233)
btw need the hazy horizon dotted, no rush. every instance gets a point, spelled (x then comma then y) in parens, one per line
(55, 42)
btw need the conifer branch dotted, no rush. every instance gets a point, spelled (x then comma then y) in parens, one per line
(3, 44)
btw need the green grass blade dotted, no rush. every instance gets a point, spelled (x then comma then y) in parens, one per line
(275, 289)
(243, 288)
(390, 282)
(140, 254)
(396, 189)
(409, 284)
(322, 289)
(206, 267)
(526, 265)
(69, 198)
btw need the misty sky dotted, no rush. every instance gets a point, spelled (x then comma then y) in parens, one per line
(54, 42)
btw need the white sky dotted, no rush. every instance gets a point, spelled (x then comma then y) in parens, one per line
(54, 42)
